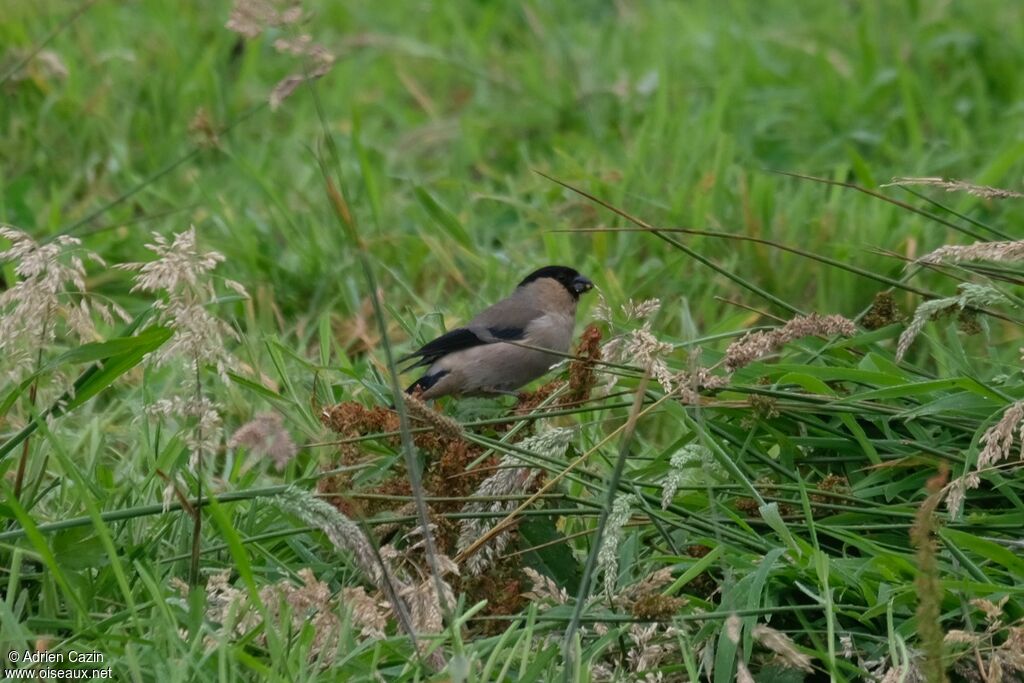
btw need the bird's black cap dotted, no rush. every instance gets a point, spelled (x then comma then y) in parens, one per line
(569, 278)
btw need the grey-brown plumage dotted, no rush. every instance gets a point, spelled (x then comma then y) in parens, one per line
(477, 359)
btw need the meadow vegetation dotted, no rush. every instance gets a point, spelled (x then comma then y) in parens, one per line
(785, 446)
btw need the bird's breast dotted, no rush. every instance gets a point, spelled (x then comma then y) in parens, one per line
(551, 331)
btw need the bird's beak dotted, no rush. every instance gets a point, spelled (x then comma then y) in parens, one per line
(581, 284)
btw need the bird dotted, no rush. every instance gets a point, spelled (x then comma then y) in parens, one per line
(477, 360)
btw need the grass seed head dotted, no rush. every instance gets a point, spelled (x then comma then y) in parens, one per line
(513, 476)
(608, 555)
(754, 346)
(266, 437)
(783, 646)
(979, 251)
(50, 288)
(343, 533)
(983, 191)
(971, 296)
(250, 18)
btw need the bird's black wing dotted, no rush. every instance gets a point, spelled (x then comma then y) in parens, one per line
(460, 339)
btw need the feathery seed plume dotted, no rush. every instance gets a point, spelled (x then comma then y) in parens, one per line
(182, 273)
(50, 288)
(249, 18)
(265, 436)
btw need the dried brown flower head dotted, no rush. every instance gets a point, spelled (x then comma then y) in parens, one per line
(425, 604)
(202, 130)
(582, 375)
(644, 599)
(370, 615)
(307, 605)
(353, 419)
(640, 347)
(884, 311)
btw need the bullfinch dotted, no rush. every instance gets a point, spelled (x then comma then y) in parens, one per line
(476, 360)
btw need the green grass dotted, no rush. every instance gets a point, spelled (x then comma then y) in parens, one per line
(447, 118)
